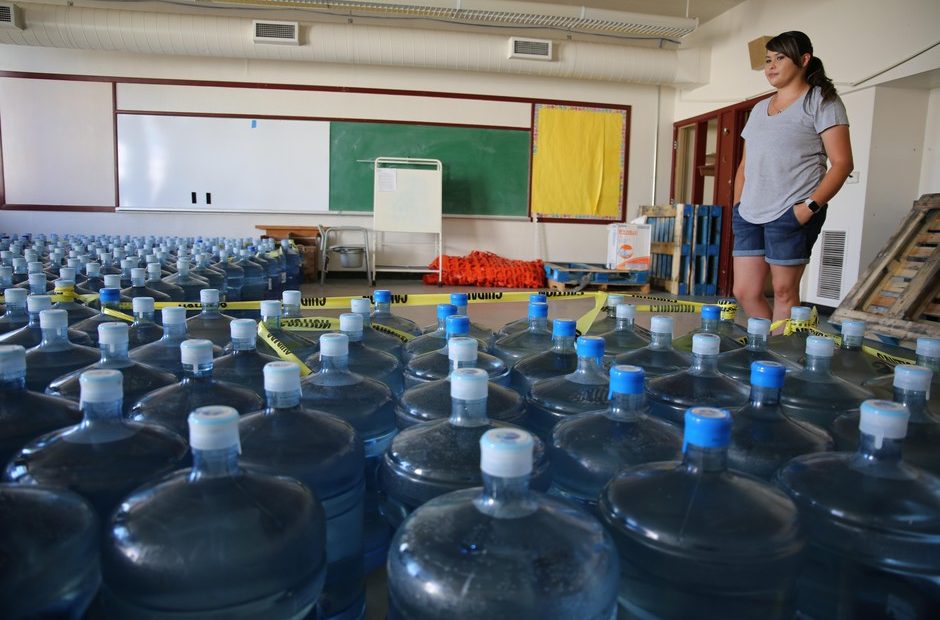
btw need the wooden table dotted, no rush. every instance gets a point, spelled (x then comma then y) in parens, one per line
(282, 231)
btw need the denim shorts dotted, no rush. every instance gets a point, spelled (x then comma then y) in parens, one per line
(784, 241)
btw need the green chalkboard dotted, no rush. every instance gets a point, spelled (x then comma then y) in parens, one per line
(486, 171)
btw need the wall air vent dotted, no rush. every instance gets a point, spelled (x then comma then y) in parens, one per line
(11, 16)
(531, 49)
(829, 284)
(280, 33)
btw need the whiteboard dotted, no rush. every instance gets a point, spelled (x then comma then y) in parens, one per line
(407, 195)
(213, 164)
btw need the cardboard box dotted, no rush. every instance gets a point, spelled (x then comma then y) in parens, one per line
(628, 247)
(757, 51)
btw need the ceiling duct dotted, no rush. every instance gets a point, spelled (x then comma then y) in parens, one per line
(211, 35)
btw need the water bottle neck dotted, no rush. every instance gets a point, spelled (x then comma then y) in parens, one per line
(916, 403)
(455, 364)
(563, 344)
(885, 451)
(141, 318)
(281, 401)
(588, 366)
(244, 344)
(704, 364)
(334, 363)
(660, 341)
(197, 371)
(384, 307)
(468, 413)
(505, 498)
(272, 322)
(355, 336)
(55, 336)
(625, 325)
(705, 459)
(851, 343)
(626, 407)
(818, 365)
(461, 311)
(14, 311)
(210, 309)
(214, 463)
(538, 324)
(709, 326)
(756, 342)
(114, 353)
(933, 363)
(13, 384)
(291, 311)
(367, 321)
(173, 331)
(96, 413)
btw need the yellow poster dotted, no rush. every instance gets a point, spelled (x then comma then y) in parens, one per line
(578, 162)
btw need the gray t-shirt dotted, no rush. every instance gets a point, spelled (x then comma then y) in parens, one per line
(785, 159)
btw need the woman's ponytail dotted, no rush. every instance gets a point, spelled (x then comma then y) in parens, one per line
(816, 76)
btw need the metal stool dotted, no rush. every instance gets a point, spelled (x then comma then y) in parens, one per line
(329, 236)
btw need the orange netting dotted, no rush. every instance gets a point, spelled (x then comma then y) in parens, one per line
(488, 269)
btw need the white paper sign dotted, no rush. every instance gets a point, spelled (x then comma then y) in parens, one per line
(388, 180)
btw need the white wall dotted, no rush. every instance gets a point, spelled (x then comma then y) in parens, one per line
(930, 162)
(559, 242)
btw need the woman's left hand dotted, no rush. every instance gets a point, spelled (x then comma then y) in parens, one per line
(802, 213)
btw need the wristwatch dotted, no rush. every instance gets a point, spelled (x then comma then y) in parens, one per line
(814, 206)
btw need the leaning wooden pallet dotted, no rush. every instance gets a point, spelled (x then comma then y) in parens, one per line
(899, 293)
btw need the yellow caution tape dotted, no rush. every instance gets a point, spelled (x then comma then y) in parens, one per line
(729, 307)
(281, 349)
(584, 323)
(310, 324)
(385, 329)
(119, 315)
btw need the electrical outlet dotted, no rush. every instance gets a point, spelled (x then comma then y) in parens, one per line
(853, 177)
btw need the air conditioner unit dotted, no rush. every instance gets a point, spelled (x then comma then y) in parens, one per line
(530, 49)
(11, 16)
(279, 33)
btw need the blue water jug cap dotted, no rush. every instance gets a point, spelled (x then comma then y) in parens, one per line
(626, 379)
(445, 310)
(538, 310)
(563, 328)
(457, 325)
(459, 299)
(382, 296)
(109, 295)
(767, 374)
(707, 427)
(538, 298)
(589, 346)
(711, 312)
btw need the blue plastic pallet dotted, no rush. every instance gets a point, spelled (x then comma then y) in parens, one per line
(570, 273)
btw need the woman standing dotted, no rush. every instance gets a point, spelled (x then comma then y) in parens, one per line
(782, 186)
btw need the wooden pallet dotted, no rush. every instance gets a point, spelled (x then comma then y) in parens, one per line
(671, 246)
(899, 293)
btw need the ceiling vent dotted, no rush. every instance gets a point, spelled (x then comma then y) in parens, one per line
(11, 16)
(531, 49)
(280, 33)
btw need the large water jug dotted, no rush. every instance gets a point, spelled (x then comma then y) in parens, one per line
(215, 277)
(255, 281)
(215, 542)
(15, 315)
(138, 379)
(700, 385)
(65, 289)
(763, 438)
(659, 357)
(169, 406)
(585, 389)
(624, 337)
(144, 329)
(30, 335)
(234, 276)
(588, 450)
(737, 363)
(139, 288)
(503, 551)
(367, 405)
(25, 415)
(49, 543)
(431, 340)
(292, 261)
(155, 282)
(814, 394)
(299, 345)
(432, 459)
(210, 323)
(106, 456)
(110, 299)
(94, 280)
(363, 360)
(927, 355)
(560, 360)
(873, 522)
(536, 338)
(432, 401)
(793, 346)
(912, 384)
(519, 325)
(382, 315)
(245, 364)
(325, 453)
(711, 324)
(438, 364)
(165, 352)
(55, 355)
(189, 282)
(850, 362)
(698, 540)
(461, 301)
(371, 337)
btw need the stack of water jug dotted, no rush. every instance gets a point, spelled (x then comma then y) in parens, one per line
(180, 463)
